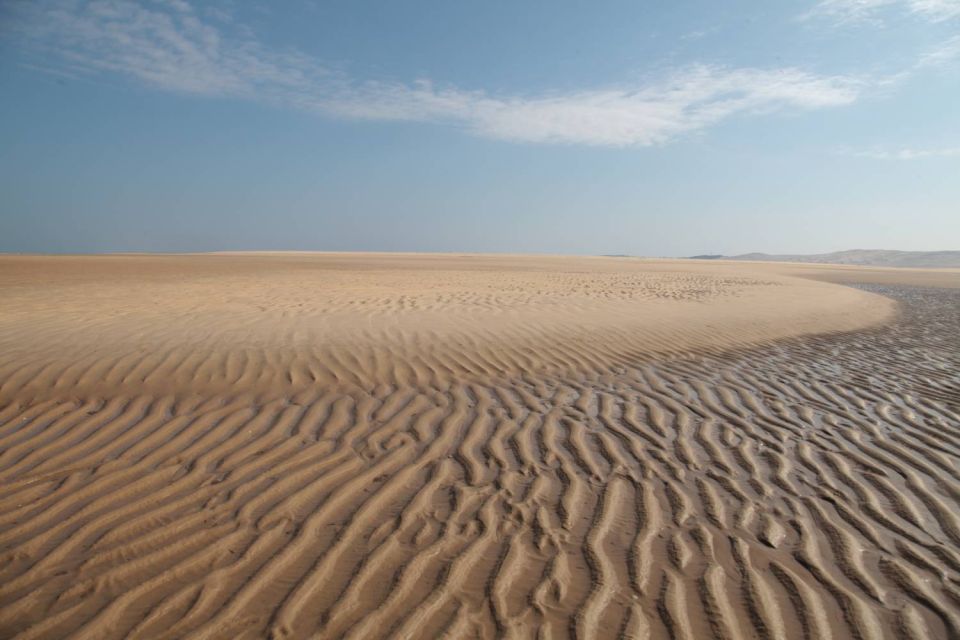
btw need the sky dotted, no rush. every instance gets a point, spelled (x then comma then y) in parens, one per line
(529, 126)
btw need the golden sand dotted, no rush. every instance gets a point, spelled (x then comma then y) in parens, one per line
(375, 445)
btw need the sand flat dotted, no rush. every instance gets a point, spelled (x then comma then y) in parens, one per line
(359, 445)
(374, 318)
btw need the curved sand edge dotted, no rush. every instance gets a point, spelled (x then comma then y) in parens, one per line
(271, 322)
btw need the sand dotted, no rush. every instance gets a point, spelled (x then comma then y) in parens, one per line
(362, 446)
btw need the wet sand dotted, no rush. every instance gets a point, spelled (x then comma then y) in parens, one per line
(302, 445)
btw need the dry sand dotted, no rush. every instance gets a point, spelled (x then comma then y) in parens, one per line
(348, 445)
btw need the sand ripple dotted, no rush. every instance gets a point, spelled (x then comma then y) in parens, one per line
(802, 489)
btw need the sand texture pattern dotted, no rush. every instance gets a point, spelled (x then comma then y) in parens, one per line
(349, 446)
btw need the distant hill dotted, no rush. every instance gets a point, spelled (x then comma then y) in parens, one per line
(868, 257)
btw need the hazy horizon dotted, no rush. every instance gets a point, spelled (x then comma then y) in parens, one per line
(616, 128)
(121, 252)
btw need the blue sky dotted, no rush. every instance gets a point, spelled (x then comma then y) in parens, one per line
(648, 128)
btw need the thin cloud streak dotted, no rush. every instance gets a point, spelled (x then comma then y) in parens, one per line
(941, 55)
(689, 100)
(906, 153)
(848, 11)
(169, 46)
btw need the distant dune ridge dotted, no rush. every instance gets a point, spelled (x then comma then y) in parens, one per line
(864, 257)
(422, 446)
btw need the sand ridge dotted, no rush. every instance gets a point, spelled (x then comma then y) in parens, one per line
(199, 322)
(719, 452)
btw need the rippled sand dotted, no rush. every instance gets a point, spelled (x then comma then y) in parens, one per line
(368, 446)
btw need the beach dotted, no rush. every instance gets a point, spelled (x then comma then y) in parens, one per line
(323, 445)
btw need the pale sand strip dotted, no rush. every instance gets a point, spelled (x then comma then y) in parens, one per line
(165, 324)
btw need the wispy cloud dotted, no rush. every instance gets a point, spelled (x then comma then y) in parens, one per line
(904, 154)
(169, 45)
(944, 53)
(687, 100)
(700, 33)
(165, 44)
(846, 11)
